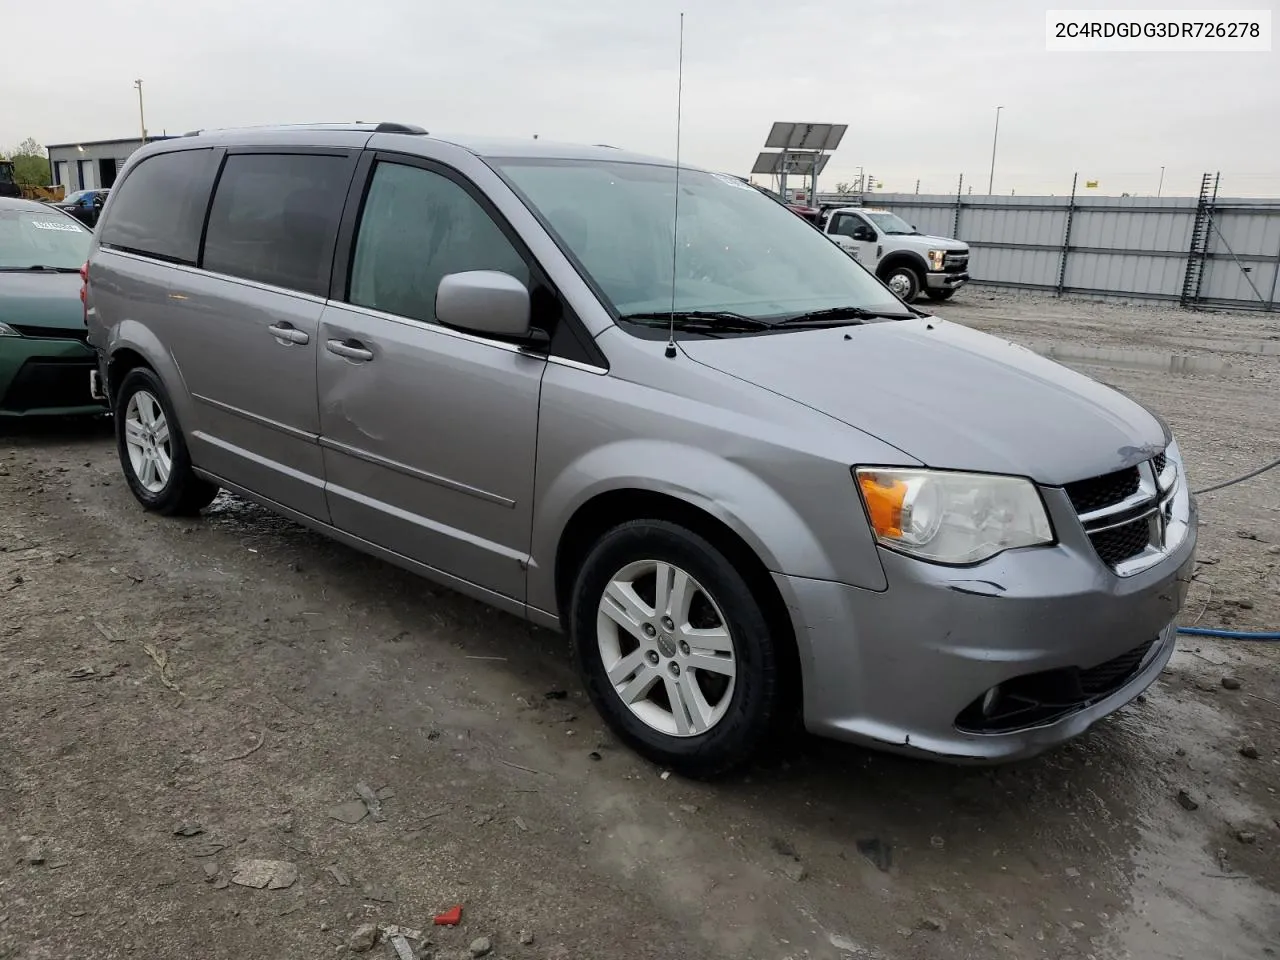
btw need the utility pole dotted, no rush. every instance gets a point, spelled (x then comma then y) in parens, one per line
(1161, 186)
(994, 137)
(142, 120)
(917, 188)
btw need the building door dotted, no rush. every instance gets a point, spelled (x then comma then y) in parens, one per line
(107, 172)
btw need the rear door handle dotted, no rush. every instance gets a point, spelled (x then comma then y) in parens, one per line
(351, 349)
(288, 333)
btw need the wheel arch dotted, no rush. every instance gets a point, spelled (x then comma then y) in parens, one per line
(611, 508)
(901, 258)
(134, 345)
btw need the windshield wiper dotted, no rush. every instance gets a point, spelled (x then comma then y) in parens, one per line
(841, 316)
(41, 266)
(700, 321)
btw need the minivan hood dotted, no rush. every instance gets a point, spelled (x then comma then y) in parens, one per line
(949, 397)
(41, 299)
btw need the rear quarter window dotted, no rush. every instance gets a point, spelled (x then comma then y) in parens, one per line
(159, 208)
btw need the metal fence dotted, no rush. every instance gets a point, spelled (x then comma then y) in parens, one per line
(1205, 251)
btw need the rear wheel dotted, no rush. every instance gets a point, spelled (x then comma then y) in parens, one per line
(676, 652)
(939, 295)
(152, 451)
(904, 282)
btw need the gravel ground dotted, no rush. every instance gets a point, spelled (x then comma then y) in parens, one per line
(181, 696)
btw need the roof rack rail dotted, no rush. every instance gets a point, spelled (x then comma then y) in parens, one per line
(399, 128)
(385, 127)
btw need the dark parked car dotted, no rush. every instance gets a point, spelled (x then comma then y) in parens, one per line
(44, 361)
(84, 205)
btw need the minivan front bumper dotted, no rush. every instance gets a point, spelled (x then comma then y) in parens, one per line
(908, 668)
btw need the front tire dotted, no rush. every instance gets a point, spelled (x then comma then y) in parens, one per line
(153, 453)
(675, 650)
(937, 296)
(904, 282)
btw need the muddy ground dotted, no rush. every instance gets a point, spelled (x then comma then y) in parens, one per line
(235, 677)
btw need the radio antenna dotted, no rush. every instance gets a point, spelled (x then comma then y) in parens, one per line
(675, 223)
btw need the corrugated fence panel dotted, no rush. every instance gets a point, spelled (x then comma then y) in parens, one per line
(1133, 246)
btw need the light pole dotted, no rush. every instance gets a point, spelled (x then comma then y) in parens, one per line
(142, 120)
(994, 137)
(1161, 186)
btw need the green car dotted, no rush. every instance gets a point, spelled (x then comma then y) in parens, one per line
(45, 361)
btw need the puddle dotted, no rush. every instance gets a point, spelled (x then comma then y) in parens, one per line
(1140, 359)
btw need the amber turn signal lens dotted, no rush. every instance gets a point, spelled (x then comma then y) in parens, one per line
(884, 497)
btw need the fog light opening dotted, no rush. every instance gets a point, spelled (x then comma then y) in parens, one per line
(989, 700)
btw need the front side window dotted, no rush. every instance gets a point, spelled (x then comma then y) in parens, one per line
(737, 251)
(892, 224)
(160, 207)
(274, 218)
(45, 239)
(417, 227)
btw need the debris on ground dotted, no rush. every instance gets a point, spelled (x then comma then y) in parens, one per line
(1187, 801)
(931, 923)
(210, 872)
(450, 918)
(1246, 836)
(525, 937)
(1249, 751)
(395, 930)
(339, 876)
(370, 799)
(481, 947)
(794, 870)
(36, 853)
(352, 811)
(401, 946)
(364, 939)
(211, 849)
(268, 874)
(556, 694)
(1230, 683)
(188, 830)
(878, 852)
(379, 894)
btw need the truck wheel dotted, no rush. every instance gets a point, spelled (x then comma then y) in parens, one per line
(676, 653)
(904, 282)
(939, 295)
(153, 453)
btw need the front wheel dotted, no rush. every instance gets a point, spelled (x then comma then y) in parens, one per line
(937, 296)
(904, 282)
(675, 650)
(152, 451)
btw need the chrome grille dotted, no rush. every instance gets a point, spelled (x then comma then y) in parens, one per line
(1127, 514)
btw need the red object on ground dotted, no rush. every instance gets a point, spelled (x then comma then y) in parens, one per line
(450, 918)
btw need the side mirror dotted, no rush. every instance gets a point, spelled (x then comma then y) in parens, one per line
(484, 301)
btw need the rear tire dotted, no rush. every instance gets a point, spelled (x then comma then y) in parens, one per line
(153, 453)
(675, 651)
(937, 296)
(904, 282)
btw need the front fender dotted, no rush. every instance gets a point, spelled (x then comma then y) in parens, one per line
(726, 490)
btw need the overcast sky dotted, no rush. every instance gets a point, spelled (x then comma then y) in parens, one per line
(916, 80)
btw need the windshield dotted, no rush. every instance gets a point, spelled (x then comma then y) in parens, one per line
(738, 252)
(6, 173)
(45, 238)
(891, 223)
(73, 198)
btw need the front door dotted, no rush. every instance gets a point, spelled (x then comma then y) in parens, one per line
(428, 433)
(856, 235)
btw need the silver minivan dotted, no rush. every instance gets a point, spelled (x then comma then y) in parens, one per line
(652, 408)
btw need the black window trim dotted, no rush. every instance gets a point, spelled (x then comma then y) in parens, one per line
(351, 154)
(587, 353)
(217, 153)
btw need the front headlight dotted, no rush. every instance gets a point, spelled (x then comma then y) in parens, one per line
(8, 331)
(956, 518)
(936, 259)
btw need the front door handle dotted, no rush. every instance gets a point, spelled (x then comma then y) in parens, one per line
(351, 349)
(288, 333)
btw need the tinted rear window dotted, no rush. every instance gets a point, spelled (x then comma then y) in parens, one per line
(160, 207)
(274, 218)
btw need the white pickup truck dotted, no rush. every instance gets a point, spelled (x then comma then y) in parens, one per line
(909, 262)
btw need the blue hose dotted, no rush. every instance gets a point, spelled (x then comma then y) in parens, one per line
(1227, 634)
